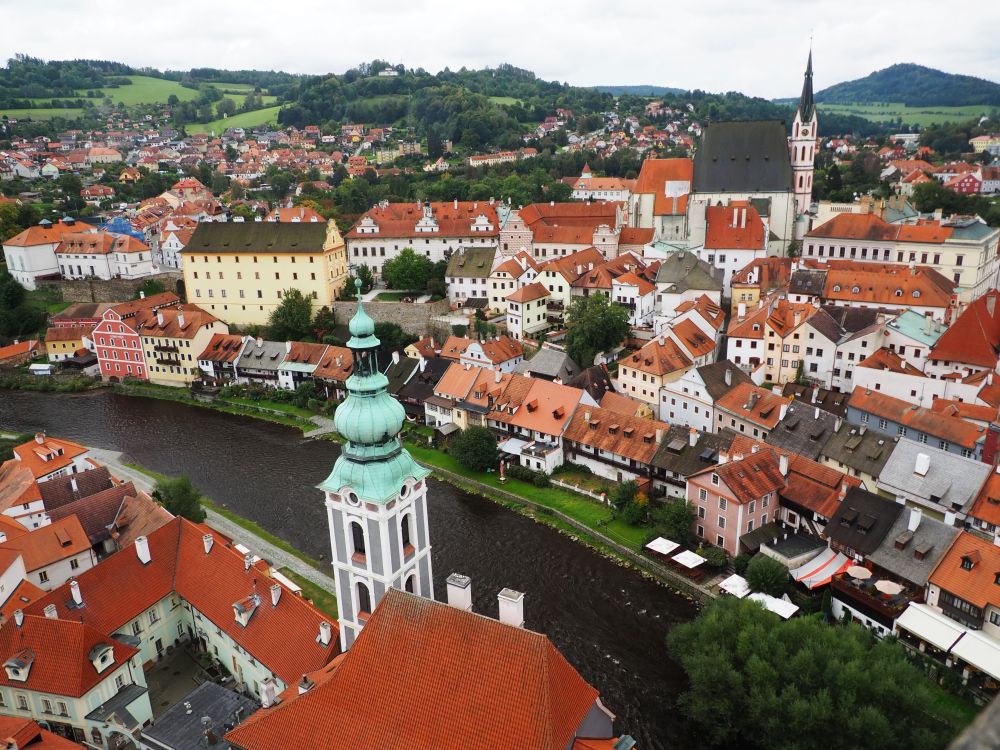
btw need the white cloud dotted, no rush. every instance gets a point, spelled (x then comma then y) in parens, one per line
(718, 45)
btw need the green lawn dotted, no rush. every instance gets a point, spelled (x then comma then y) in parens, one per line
(923, 116)
(396, 296)
(46, 301)
(268, 115)
(265, 404)
(505, 100)
(577, 507)
(42, 113)
(322, 599)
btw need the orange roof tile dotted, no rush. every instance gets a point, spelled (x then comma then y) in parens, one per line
(454, 346)
(282, 638)
(528, 293)
(974, 337)
(23, 594)
(41, 547)
(965, 410)
(751, 477)
(44, 235)
(18, 350)
(68, 333)
(754, 404)
(693, 338)
(952, 429)
(453, 665)
(457, 381)
(886, 359)
(400, 219)
(337, 364)
(502, 348)
(45, 454)
(60, 653)
(90, 243)
(181, 322)
(986, 506)
(734, 227)
(17, 485)
(653, 176)
(630, 279)
(27, 733)
(622, 434)
(889, 284)
(222, 347)
(659, 357)
(976, 585)
(547, 407)
(305, 353)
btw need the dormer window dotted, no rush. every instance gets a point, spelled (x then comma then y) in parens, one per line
(102, 656)
(836, 287)
(245, 608)
(19, 665)
(968, 563)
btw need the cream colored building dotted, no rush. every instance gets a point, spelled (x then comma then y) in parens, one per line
(642, 374)
(240, 271)
(172, 339)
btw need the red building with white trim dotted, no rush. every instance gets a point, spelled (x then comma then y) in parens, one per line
(118, 344)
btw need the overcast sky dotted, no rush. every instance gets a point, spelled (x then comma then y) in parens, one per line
(717, 45)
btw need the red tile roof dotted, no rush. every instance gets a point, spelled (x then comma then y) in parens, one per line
(181, 322)
(621, 434)
(737, 226)
(693, 338)
(89, 243)
(528, 293)
(17, 485)
(400, 219)
(974, 338)
(886, 359)
(986, 506)
(24, 594)
(26, 733)
(469, 682)
(630, 279)
(282, 638)
(754, 404)
(660, 356)
(952, 429)
(45, 454)
(889, 284)
(19, 349)
(60, 540)
(977, 585)
(653, 176)
(222, 347)
(977, 412)
(44, 235)
(873, 228)
(547, 407)
(751, 477)
(337, 364)
(61, 655)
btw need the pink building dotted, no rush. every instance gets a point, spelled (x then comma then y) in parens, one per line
(735, 497)
(118, 344)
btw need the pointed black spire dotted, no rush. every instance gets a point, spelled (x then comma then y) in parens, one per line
(806, 102)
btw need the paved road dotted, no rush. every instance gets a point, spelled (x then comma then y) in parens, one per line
(276, 556)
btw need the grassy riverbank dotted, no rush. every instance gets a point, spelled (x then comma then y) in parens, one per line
(251, 526)
(322, 599)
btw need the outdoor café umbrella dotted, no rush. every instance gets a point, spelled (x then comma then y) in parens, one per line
(859, 572)
(891, 588)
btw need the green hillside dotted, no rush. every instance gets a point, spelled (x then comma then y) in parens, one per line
(914, 86)
(268, 115)
(896, 112)
(641, 90)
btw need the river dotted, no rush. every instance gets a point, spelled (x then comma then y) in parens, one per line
(609, 621)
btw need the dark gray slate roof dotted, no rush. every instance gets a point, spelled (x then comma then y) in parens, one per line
(931, 538)
(859, 448)
(549, 364)
(399, 372)
(421, 385)
(181, 729)
(714, 376)
(743, 157)
(677, 455)
(257, 237)
(804, 430)
(834, 402)
(862, 520)
(472, 263)
(684, 270)
(594, 380)
(266, 356)
(808, 282)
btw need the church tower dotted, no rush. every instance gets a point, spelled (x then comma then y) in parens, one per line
(803, 144)
(376, 495)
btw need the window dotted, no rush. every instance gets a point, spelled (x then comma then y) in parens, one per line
(922, 438)
(720, 541)
(901, 431)
(74, 564)
(358, 537)
(46, 706)
(701, 512)
(43, 576)
(715, 479)
(765, 500)
(404, 532)
(154, 617)
(882, 424)
(120, 682)
(136, 627)
(753, 506)
(749, 526)
(864, 418)
(63, 709)
(364, 600)
(722, 503)
(994, 618)
(22, 703)
(703, 494)
(722, 522)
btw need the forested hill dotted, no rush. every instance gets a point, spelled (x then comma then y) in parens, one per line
(915, 86)
(641, 90)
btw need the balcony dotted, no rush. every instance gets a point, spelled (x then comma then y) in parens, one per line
(554, 305)
(865, 598)
(168, 361)
(165, 348)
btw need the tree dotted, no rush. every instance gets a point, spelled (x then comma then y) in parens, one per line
(324, 324)
(595, 324)
(225, 108)
(767, 575)
(475, 448)
(674, 520)
(292, 319)
(623, 494)
(752, 676)
(149, 288)
(11, 293)
(392, 336)
(180, 497)
(407, 271)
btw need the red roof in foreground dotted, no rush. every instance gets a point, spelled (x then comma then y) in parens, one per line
(469, 682)
(282, 638)
(974, 338)
(26, 733)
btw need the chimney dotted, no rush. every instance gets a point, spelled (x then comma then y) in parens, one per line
(51, 612)
(782, 412)
(267, 693)
(755, 448)
(288, 347)
(247, 561)
(660, 434)
(72, 483)
(728, 376)
(991, 304)
(928, 323)
(325, 632)
(783, 465)
(395, 357)
(142, 295)
(180, 319)
(949, 518)
(497, 376)
(511, 607)
(208, 540)
(815, 395)
(74, 590)
(914, 521)
(455, 204)
(837, 424)
(159, 318)
(816, 413)
(844, 487)
(723, 457)
(693, 435)
(40, 438)
(305, 684)
(142, 550)
(459, 591)
(776, 390)
(18, 617)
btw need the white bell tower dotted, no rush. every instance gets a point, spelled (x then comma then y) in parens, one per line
(376, 495)
(803, 145)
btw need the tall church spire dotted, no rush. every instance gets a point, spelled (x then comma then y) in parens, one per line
(376, 495)
(806, 102)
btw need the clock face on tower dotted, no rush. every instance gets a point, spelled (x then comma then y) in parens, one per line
(805, 131)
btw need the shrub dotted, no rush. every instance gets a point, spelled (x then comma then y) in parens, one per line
(767, 575)
(715, 557)
(475, 448)
(540, 480)
(741, 562)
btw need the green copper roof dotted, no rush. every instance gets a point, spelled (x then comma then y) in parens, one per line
(374, 464)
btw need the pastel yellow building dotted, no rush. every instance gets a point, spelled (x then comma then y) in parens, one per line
(62, 343)
(239, 271)
(172, 339)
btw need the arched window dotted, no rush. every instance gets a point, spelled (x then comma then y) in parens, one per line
(404, 533)
(411, 583)
(364, 600)
(358, 537)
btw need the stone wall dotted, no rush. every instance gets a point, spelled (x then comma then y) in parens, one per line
(113, 290)
(413, 318)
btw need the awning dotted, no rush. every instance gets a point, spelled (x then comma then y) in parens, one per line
(821, 569)
(663, 546)
(447, 428)
(979, 650)
(512, 446)
(689, 559)
(736, 585)
(928, 625)
(781, 607)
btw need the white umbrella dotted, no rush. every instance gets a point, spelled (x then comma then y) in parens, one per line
(859, 572)
(889, 587)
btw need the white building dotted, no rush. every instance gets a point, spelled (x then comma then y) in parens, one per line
(31, 255)
(99, 255)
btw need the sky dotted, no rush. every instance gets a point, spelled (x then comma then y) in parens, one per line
(758, 48)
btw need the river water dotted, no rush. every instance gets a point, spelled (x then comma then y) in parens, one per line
(607, 620)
